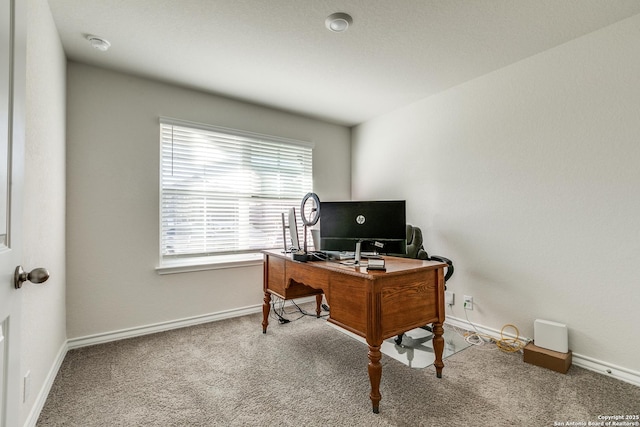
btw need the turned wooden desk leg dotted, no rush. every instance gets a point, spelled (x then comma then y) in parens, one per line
(375, 373)
(318, 304)
(438, 347)
(266, 308)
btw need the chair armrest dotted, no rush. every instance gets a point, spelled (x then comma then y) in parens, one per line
(447, 261)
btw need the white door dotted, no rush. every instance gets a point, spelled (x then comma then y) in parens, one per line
(12, 131)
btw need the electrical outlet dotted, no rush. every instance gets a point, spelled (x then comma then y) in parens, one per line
(448, 297)
(26, 391)
(468, 302)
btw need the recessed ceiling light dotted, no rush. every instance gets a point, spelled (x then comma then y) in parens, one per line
(338, 22)
(99, 43)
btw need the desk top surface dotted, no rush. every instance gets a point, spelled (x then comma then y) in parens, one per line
(393, 265)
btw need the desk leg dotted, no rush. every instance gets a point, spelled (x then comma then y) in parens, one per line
(266, 308)
(438, 347)
(318, 304)
(375, 373)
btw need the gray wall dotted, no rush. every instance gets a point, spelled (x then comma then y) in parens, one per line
(112, 199)
(528, 178)
(43, 313)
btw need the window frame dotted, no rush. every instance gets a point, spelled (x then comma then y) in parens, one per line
(180, 264)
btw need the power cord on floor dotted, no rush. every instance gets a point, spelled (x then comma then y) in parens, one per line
(510, 345)
(324, 306)
(277, 310)
(282, 316)
(506, 344)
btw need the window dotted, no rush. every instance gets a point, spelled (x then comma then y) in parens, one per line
(223, 191)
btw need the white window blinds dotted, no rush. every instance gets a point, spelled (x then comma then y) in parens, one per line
(223, 191)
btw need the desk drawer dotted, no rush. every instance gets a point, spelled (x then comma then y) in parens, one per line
(291, 280)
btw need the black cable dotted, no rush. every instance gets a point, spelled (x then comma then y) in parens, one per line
(321, 256)
(279, 312)
(305, 313)
(274, 310)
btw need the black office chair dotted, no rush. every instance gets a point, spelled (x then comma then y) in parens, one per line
(415, 249)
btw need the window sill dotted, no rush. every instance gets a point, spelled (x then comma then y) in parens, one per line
(186, 265)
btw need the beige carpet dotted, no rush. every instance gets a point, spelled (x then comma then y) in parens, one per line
(306, 373)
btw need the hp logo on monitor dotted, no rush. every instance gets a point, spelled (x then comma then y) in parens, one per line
(360, 219)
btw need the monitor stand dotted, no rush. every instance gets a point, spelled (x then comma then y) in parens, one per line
(358, 253)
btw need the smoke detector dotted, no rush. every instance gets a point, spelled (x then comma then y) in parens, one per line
(99, 43)
(338, 22)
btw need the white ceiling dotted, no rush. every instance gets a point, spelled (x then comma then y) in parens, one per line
(278, 53)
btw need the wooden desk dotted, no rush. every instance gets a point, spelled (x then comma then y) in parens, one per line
(375, 305)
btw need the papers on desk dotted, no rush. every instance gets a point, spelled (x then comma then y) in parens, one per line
(369, 264)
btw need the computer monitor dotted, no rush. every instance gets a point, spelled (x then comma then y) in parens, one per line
(379, 225)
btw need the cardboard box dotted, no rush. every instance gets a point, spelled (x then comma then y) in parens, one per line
(559, 362)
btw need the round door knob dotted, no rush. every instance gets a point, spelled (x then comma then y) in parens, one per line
(37, 275)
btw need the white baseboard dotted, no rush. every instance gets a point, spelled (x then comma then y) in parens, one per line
(608, 369)
(167, 326)
(160, 327)
(605, 368)
(32, 419)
